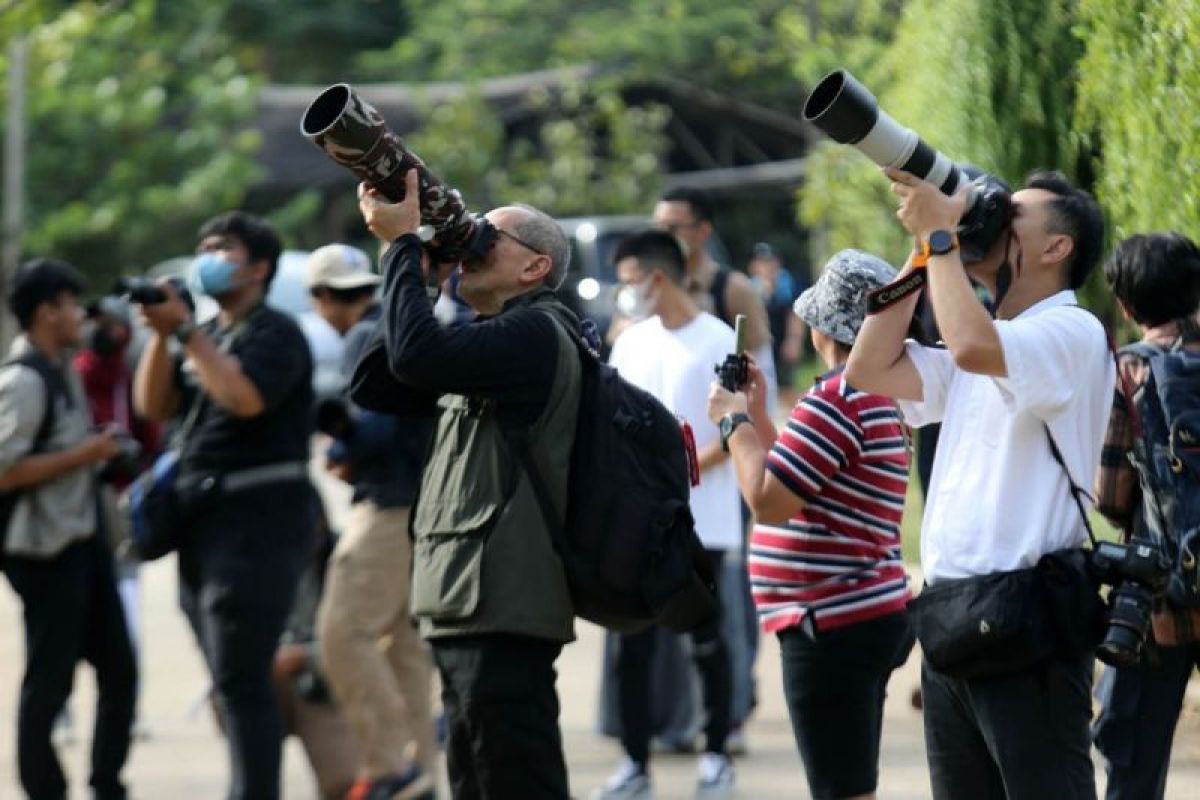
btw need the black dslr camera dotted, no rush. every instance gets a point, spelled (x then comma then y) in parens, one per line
(1137, 572)
(734, 372)
(844, 110)
(148, 293)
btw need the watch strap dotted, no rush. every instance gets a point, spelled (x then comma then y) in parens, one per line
(732, 421)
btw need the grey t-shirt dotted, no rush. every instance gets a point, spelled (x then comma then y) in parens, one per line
(51, 515)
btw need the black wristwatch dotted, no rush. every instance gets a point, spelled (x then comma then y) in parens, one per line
(729, 424)
(942, 242)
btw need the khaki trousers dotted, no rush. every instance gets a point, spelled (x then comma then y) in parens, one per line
(375, 662)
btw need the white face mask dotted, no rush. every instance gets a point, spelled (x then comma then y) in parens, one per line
(634, 301)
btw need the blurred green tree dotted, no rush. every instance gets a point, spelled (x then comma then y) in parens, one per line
(1139, 109)
(987, 82)
(724, 47)
(137, 132)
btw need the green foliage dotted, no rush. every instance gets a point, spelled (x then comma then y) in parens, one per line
(1139, 103)
(594, 154)
(985, 82)
(299, 41)
(130, 147)
(720, 46)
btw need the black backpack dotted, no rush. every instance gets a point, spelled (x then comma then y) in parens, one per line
(55, 388)
(1166, 455)
(629, 545)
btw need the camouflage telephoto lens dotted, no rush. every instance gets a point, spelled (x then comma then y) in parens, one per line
(354, 134)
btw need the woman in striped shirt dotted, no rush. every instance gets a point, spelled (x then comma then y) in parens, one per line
(827, 494)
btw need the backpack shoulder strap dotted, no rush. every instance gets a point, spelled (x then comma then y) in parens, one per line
(55, 386)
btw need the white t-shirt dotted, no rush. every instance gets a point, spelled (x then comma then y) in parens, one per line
(997, 498)
(676, 366)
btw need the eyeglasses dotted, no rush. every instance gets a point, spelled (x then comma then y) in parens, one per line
(522, 242)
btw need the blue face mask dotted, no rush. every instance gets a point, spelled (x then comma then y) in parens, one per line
(212, 274)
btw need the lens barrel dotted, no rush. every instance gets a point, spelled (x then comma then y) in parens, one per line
(848, 113)
(354, 134)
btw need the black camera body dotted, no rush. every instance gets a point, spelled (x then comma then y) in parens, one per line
(848, 113)
(148, 293)
(1138, 572)
(126, 464)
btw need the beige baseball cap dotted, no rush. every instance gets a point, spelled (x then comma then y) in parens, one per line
(340, 266)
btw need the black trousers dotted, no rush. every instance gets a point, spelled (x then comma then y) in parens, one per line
(72, 611)
(1022, 736)
(1139, 711)
(501, 706)
(711, 654)
(835, 686)
(238, 570)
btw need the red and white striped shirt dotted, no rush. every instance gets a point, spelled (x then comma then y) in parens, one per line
(845, 452)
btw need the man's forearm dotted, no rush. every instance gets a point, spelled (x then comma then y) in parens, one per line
(879, 345)
(711, 455)
(155, 396)
(221, 378)
(39, 468)
(964, 324)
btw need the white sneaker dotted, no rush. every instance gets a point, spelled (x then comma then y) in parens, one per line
(629, 782)
(716, 777)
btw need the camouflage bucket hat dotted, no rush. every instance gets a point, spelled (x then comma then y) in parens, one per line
(837, 303)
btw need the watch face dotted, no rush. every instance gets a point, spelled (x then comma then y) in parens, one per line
(726, 426)
(941, 242)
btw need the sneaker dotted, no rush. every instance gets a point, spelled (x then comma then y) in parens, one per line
(413, 784)
(629, 782)
(716, 777)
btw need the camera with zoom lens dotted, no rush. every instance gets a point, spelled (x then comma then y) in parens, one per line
(1137, 571)
(845, 111)
(148, 293)
(126, 464)
(354, 134)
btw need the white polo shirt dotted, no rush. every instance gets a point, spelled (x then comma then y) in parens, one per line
(997, 498)
(676, 366)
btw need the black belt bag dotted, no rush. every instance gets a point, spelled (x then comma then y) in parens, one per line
(163, 501)
(1005, 622)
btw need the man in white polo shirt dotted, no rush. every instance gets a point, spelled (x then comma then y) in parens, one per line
(671, 353)
(998, 499)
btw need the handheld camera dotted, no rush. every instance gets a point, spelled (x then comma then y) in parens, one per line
(734, 372)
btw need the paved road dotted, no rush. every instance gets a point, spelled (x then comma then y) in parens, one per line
(184, 759)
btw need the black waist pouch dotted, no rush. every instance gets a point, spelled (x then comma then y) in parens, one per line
(1005, 622)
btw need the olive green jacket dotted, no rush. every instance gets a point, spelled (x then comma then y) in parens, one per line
(483, 559)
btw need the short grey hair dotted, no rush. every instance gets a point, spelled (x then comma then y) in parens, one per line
(540, 230)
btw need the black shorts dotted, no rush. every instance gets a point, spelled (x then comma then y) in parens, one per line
(835, 687)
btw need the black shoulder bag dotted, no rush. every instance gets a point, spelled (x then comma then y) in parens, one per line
(1005, 622)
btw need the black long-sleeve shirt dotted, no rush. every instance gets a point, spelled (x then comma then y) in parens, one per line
(509, 358)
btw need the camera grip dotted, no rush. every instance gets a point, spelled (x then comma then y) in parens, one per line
(734, 372)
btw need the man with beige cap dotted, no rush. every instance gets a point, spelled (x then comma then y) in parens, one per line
(376, 664)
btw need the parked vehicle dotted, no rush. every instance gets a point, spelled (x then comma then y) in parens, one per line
(590, 288)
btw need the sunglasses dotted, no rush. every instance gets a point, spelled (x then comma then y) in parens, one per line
(521, 242)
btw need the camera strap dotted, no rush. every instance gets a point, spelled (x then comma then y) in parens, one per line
(1076, 489)
(897, 291)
